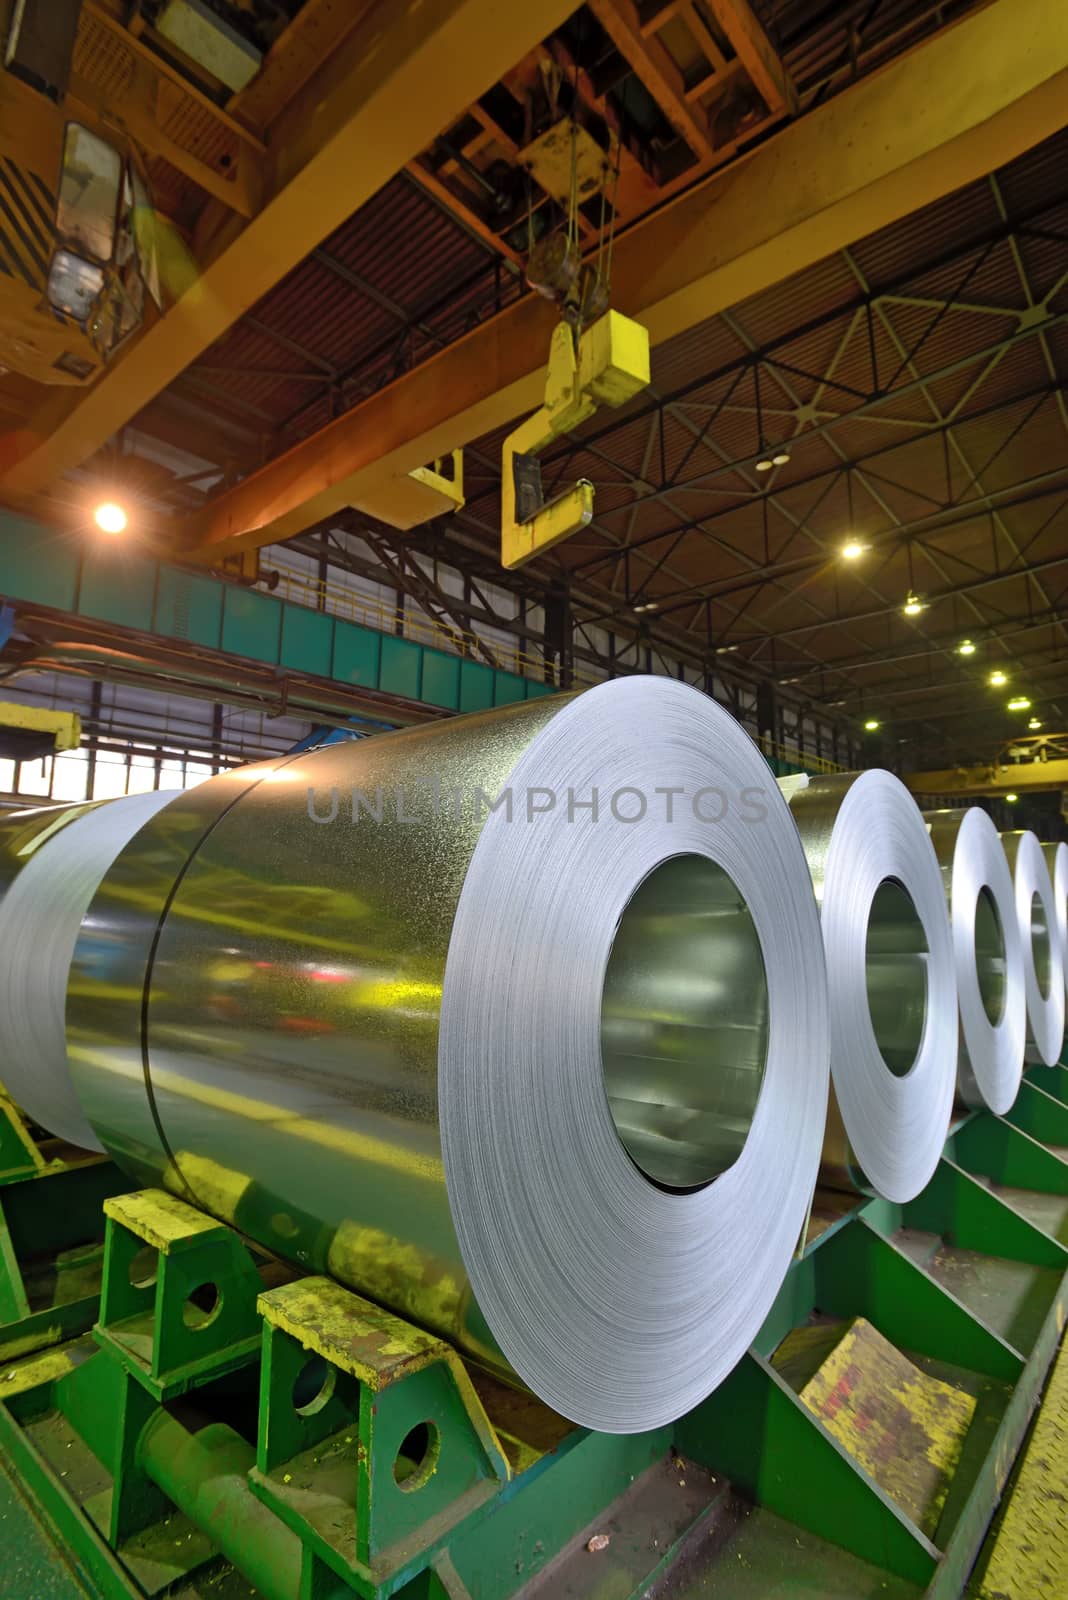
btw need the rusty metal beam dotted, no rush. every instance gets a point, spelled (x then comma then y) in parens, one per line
(621, 21)
(754, 50)
(155, 95)
(948, 113)
(402, 74)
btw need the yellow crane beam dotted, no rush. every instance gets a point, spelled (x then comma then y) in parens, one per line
(1014, 778)
(63, 728)
(976, 95)
(403, 73)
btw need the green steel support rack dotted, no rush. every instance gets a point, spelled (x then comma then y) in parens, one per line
(51, 1235)
(226, 1415)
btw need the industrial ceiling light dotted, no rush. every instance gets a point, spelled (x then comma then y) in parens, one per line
(913, 605)
(773, 457)
(110, 517)
(1020, 702)
(871, 725)
(966, 648)
(852, 550)
(1034, 724)
(997, 680)
(1012, 798)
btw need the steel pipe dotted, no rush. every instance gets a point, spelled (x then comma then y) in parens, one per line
(204, 1472)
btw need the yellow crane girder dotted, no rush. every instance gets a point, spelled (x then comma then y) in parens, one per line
(942, 115)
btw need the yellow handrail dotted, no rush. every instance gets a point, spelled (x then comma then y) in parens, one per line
(797, 758)
(324, 595)
(339, 600)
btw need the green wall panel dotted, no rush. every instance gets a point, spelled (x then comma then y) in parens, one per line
(118, 587)
(507, 687)
(189, 606)
(307, 640)
(357, 653)
(401, 661)
(252, 624)
(113, 584)
(37, 564)
(441, 679)
(476, 686)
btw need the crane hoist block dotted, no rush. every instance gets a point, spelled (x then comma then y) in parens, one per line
(606, 364)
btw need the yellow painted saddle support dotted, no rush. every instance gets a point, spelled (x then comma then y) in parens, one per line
(605, 365)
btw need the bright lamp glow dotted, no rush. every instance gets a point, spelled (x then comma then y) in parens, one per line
(110, 517)
(853, 549)
(966, 648)
(871, 725)
(997, 680)
(1034, 724)
(1011, 798)
(913, 606)
(1020, 703)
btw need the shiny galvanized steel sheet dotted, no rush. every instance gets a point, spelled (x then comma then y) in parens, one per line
(548, 1079)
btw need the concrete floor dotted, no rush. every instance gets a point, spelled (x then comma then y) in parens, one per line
(30, 1564)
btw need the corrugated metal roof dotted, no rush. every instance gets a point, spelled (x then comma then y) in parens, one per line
(408, 278)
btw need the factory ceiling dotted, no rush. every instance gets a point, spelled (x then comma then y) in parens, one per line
(912, 380)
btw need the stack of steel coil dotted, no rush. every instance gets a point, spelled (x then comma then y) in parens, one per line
(521, 1022)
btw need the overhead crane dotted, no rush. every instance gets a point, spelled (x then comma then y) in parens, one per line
(836, 174)
(1034, 764)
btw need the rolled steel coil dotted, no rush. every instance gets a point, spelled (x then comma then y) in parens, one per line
(890, 978)
(41, 917)
(23, 832)
(988, 952)
(1036, 912)
(1057, 866)
(549, 1077)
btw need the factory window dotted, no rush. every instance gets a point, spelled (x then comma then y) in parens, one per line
(109, 776)
(35, 777)
(73, 285)
(70, 776)
(88, 193)
(142, 778)
(172, 773)
(7, 777)
(198, 771)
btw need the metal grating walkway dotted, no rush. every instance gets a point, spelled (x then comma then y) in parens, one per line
(1028, 1554)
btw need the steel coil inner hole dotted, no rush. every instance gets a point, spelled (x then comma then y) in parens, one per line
(990, 956)
(1040, 950)
(684, 1023)
(896, 967)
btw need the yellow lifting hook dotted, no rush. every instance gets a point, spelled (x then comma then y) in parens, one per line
(607, 364)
